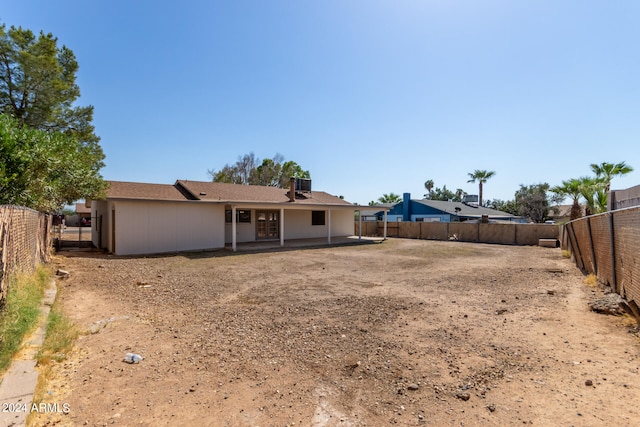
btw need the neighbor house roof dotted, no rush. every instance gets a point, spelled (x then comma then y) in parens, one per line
(378, 209)
(184, 190)
(81, 208)
(463, 210)
(562, 211)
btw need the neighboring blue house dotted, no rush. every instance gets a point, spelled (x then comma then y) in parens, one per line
(426, 210)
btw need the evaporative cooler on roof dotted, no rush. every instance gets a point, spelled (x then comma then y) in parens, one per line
(303, 185)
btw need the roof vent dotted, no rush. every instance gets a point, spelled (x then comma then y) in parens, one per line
(202, 193)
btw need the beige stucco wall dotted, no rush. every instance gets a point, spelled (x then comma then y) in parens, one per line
(144, 227)
(158, 227)
(342, 222)
(297, 224)
(245, 232)
(98, 215)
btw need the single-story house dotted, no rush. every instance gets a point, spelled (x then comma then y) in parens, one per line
(84, 214)
(81, 217)
(443, 211)
(141, 218)
(562, 213)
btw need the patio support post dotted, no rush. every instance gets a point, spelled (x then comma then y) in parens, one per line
(281, 226)
(359, 225)
(329, 225)
(234, 226)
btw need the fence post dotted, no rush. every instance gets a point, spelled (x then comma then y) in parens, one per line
(574, 246)
(614, 278)
(3, 264)
(594, 264)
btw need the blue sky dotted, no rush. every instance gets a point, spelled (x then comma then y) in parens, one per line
(370, 96)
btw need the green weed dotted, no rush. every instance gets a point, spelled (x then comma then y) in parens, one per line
(20, 313)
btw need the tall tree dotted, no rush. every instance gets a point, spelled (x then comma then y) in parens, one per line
(45, 170)
(480, 176)
(50, 153)
(533, 201)
(508, 206)
(228, 174)
(268, 173)
(246, 167)
(606, 171)
(291, 169)
(248, 170)
(38, 85)
(428, 185)
(443, 194)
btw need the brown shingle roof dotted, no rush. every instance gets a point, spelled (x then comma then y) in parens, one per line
(81, 208)
(217, 192)
(143, 191)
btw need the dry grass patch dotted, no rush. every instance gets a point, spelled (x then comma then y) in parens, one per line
(591, 280)
(59, 341)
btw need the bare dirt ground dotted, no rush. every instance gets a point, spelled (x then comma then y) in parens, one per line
(403, 332)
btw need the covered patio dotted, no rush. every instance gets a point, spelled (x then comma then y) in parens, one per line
(290, 244)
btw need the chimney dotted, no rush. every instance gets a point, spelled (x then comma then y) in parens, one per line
(292, 189)
(406, 206)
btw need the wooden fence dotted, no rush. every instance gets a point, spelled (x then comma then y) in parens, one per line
(505, 234)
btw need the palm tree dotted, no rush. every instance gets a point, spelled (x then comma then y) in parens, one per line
(429, 184)
(594, 193)
(607, 171)
(389, 198)
(602, 201)
(480, 176)
(571, 188)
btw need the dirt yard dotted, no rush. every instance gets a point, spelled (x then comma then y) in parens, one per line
(403, 332)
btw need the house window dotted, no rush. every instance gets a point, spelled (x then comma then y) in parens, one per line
(317, 217)
(242, 215)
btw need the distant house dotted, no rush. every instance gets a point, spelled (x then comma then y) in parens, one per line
(84, 214)
(375, 212)
(442, 211)
(620, 199)
(562, 213)
(81, 217)
(141, 218)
